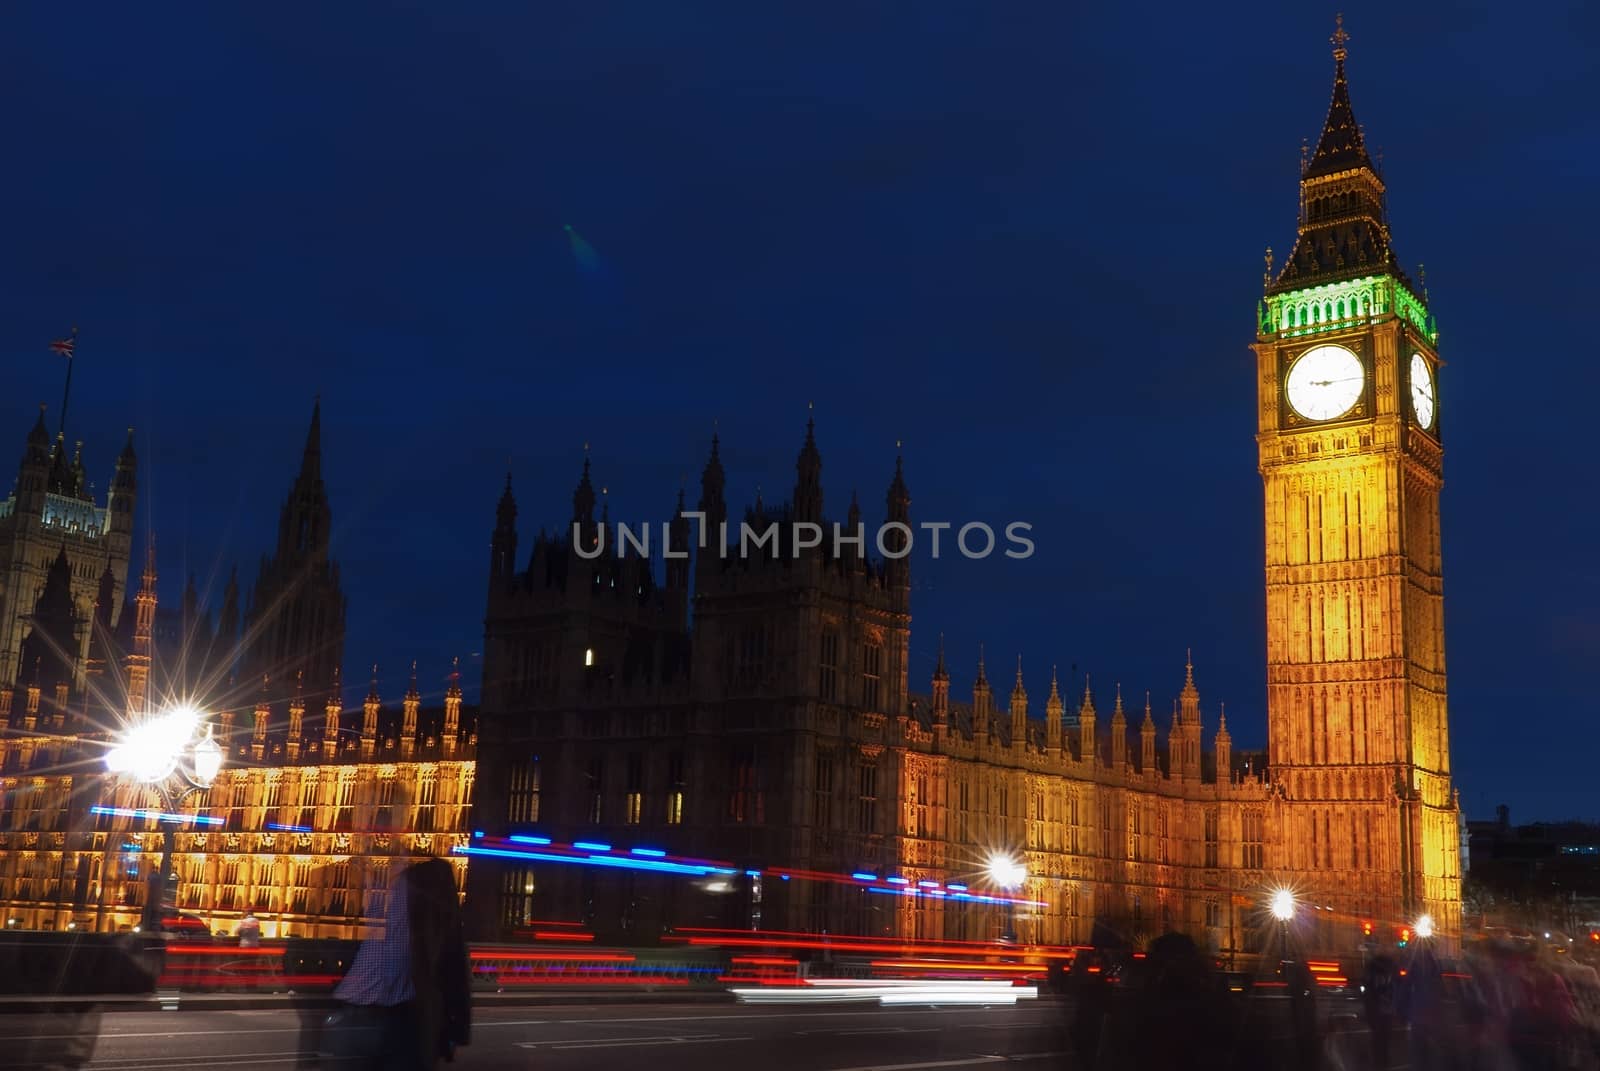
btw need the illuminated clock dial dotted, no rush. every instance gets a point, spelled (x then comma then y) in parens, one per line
(1422, 400)
(1325, 382)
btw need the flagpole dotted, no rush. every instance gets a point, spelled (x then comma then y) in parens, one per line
(66, 392)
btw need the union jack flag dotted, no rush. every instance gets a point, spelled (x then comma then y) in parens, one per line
(63, 346)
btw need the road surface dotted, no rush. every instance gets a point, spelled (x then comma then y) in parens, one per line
(660, 1037)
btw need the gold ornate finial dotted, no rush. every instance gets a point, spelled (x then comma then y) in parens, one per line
(1339, 37)
(1266, 277)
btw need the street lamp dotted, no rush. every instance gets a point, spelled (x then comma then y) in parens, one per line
(1007, 873)
(1283, 906)
(167, 753)
(1424, 927)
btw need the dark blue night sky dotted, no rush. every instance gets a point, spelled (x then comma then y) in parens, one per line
(1024, 238)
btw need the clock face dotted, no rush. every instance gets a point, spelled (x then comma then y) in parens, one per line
(1422, 400)
(1325, 382)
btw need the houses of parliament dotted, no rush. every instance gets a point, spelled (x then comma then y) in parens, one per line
(756, 709)
(315, 805)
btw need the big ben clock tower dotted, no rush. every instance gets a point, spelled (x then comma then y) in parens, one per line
(1350, 423)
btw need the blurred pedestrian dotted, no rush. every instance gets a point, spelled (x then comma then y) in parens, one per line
(407, 998)
(1091, 990)
(1303, 1014)
(249, 931)
(1378, 996)
(1422, 1007)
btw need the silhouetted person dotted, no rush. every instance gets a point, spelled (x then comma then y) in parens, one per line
(1091, 991)
(409, 991)
(249, 931)
(1378, 996)
(1302, 990)
(1422, 1001)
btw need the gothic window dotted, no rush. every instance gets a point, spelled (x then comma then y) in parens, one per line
(1075, 842)
(744, 802)
(1005, 802)
(1213, 824)
(828, 682)
(1254, 838)
(871, 673)
(1136, 817)
(633, 802)
(822, 793)
(594, 784)
(1213, 913)
(867, 797)
(920, 825)
(675, 786)
(750, 666)
(963, 812)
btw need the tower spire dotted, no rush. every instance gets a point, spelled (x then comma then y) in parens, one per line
(311, 459)
(1341, 146)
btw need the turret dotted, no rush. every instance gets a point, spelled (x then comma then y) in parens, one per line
(677, 555)
(808, 479)
(1185, 740)
(982, 711)
(1119, 734)
(941, 692)
(1147, 740)
(297, 717)
(408, 724)
(144, 623)
(33, 475)
(452, 709)
(124, 490)
(1019, 712)
(1224, 747)
(331, 714)
(1086, 727)
(503, 544)
(258, 736)
(1054, 708)
(712, 502)
(897, 536)
(583, 526)
(369, 718)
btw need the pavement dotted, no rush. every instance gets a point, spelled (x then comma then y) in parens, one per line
(661, 1036)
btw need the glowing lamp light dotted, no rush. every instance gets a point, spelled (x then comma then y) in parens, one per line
(1282, 905)
(207, 760)
(1006, 872)
(1424, 927)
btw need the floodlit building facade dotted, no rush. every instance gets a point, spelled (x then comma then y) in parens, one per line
(317, 805)
(754, 707)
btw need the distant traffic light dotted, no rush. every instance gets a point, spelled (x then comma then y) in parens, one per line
(1405, 937)
(1366, 927)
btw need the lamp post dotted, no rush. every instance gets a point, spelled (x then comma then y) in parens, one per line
(167, 753)
(1008, 874)
(1283, 907)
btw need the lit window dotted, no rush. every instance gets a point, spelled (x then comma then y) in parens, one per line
(588, 656)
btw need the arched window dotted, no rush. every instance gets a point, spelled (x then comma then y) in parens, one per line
(1341, 308)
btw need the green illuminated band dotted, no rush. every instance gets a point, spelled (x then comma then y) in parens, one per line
(1334, 306)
